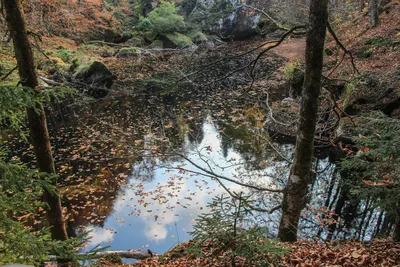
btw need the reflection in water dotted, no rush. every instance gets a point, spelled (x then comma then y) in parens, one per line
(159, 204)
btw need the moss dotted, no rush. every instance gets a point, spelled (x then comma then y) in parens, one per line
(157, 44)
(292, 71)
(179, 39)
(129, 52)
(136, 41)
(378, 41)
(348, 95)
(82, 68)
(364, 52)
(197, 36)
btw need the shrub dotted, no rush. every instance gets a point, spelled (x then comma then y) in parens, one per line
(64, 54)
(163, 19)
(221, 234)
(291, 70)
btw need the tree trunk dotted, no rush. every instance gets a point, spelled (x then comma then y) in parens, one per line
(296, 189)
(39, 135)
(373, 12)
(396, 232)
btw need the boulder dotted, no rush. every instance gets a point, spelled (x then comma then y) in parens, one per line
(129, 52)
(240, 24)
(156, 44)
(97, 77)
(371, 91)
(176, 40)
(231, 19)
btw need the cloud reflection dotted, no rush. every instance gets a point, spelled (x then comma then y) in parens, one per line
(99, 235)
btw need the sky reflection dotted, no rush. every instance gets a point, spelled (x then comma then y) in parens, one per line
(159, 213)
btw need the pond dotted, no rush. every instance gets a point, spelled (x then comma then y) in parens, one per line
(138, 169)
(159, 204)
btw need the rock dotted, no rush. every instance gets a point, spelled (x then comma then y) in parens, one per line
(371, 91)
(176, 40)
(97, 76)
(227, 18)
(136, 41)
(129, 52)
(240, 24)
(156, 44)
(197, 37)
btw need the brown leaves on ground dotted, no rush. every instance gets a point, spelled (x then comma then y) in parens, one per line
(302, 254)
(343, 253)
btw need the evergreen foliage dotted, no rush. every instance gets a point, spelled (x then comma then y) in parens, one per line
(23, 236)
(372, 172)
(225, 229)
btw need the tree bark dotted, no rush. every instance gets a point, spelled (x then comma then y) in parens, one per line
(39, 135)
(373, 12)
(396, 231)
(296, 189)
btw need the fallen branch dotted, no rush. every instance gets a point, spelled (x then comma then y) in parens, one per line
(50, 82)
(9, 73)
(106, 43)
(127, 254)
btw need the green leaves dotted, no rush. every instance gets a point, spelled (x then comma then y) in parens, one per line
(162, 20)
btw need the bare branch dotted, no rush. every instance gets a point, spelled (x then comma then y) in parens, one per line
(211, 174)
(289, 32)
(9, 73)
(346, 52)
(268, 16)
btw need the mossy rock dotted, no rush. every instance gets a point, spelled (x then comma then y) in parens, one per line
(197, 36)
(369, 91)
(96, 76)
(149, 36)
(156, 44)
(266, 26)
(136, 41)
(129, 52)
(364, 52)
(176, 40)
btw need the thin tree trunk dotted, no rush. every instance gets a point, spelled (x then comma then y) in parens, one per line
(296, 190)
(373, 12)
(39, 135)
(396, 232)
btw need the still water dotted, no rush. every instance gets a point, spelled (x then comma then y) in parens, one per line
(158, 206)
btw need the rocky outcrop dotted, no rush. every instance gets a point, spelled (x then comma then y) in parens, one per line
(231, 19)
(371, 91)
